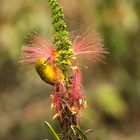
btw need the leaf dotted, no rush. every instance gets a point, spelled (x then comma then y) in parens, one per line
(73, 129)
(78, 131)
(51, 130)
(89, 130)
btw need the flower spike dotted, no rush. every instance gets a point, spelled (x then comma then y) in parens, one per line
(58, 66)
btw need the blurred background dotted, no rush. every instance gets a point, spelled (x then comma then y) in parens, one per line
(112, 89)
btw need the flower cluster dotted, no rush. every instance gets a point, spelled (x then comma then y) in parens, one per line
(85, 46)
(57, 65)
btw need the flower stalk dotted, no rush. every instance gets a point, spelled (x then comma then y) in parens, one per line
(63, 59)
(56, 64)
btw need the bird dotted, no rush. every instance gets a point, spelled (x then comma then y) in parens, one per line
(48, 72)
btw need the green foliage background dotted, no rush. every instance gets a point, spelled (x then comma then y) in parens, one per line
(112, 89)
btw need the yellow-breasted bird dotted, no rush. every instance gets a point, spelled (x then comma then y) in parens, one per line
(47, 73)
(40, 54)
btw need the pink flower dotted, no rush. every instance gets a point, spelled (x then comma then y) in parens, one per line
(77, 100)
(38, 48)
(73, 97)
(58, 98)
(89, 46)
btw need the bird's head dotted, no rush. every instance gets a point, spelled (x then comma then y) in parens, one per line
(42, 62)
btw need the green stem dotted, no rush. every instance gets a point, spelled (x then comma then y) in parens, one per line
(66, 77)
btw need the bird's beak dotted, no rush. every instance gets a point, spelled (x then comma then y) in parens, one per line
(47, 60)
